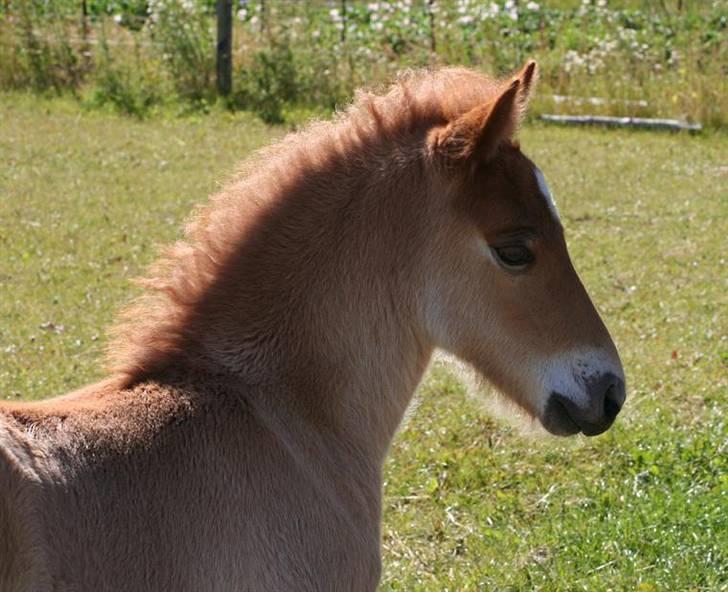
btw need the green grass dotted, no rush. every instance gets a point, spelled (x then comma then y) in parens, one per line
(471, 503)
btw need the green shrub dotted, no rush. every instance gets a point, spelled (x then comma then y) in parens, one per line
(182, 35)
(43, 56)
(128, 85)
(268, 83)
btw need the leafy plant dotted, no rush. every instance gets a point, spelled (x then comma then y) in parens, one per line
(268, 83)
(125, 85)
(182, 34)
(46, 60)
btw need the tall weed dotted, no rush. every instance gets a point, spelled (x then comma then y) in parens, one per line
(182, 36)
(43, 58)
(129, 82)
(267, 83)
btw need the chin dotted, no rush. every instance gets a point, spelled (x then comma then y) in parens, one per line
(559, 426)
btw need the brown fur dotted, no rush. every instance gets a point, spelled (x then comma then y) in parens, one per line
(256, 387)
(352, 153)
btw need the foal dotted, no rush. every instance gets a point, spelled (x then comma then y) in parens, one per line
(239, 440)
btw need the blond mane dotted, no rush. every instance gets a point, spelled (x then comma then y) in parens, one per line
(370, 138)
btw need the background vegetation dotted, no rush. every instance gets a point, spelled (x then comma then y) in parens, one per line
(470, 503)
(664, 58)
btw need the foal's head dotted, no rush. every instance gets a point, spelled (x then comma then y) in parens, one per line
(502, 293)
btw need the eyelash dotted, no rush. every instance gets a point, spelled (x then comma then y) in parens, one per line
(519, 257)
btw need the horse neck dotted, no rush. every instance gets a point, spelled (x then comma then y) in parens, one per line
(318, 308)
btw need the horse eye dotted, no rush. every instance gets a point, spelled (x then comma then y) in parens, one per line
(514, 256)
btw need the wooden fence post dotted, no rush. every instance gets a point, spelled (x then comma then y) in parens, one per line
(224, 46)
(85, 46)
(431, 13)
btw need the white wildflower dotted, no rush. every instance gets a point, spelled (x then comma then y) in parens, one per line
(573, 60)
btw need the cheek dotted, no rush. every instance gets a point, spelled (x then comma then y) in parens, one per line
(528, 306)
(458, 294)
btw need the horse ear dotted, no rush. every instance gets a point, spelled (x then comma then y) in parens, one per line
(528, 75)
(477, 133)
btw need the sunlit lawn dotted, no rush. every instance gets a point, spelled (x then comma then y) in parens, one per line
(471, 504)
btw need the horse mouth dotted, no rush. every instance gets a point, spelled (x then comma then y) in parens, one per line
(557, 420)
(562, 417)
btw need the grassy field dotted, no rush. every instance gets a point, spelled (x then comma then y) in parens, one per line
(471, 503)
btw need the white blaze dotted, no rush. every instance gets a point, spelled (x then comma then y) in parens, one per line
(546, 192)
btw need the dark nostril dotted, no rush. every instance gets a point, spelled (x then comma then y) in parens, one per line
(611, 403)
